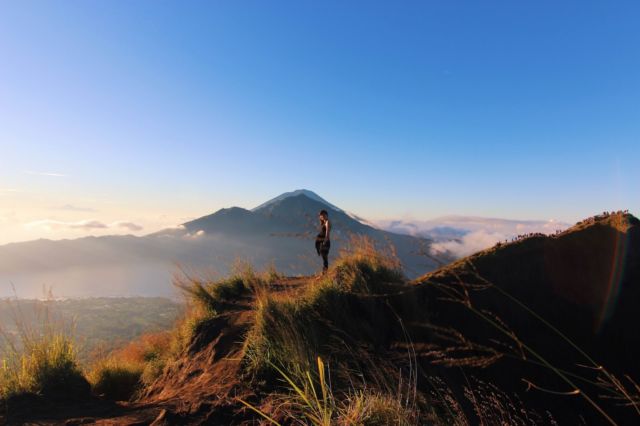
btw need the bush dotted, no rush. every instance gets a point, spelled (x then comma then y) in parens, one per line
(120, 375)
(116, 381)
(46, 366)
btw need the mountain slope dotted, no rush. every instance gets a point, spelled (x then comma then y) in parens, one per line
(584, 281)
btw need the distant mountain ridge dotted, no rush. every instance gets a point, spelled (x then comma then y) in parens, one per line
(280, 231)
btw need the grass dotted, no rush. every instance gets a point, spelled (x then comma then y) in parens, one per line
(123, 373)
(116, 380)
(607, 386)
(312, 402)
(293, 330)
(343, 316)
(40, 361)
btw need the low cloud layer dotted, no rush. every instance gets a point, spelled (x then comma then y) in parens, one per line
(469, 243)
(462, 235)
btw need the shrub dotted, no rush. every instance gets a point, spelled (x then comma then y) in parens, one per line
(121, 374)
(46, 366)
(40, 360)
(115, 380)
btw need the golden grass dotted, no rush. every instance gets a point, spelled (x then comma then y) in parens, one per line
(40, 360)
(312, 402)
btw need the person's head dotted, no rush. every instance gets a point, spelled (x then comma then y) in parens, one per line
(324, 215)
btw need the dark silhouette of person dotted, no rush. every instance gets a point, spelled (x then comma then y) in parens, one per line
(323, 243)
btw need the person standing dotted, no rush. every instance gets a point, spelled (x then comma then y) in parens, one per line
(323, 243)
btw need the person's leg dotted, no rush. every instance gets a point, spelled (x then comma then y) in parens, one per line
(325, 260)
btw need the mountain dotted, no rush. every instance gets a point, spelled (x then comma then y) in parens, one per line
(309, 194)
(293, 213)
(280, 232)
(540, 330)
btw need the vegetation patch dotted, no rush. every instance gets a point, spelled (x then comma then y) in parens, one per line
(339, 317)
(45, 366)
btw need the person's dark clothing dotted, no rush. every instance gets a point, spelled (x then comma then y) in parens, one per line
(323, 245)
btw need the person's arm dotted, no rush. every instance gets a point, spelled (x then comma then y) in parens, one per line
(328, 227)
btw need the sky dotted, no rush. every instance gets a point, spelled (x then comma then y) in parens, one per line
(127, 117)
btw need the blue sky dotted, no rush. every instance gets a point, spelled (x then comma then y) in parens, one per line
(157, 111)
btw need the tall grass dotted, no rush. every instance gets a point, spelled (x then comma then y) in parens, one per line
(608, 386)
(40, 359)
(292, 331)
(123, 373)
(312, 402)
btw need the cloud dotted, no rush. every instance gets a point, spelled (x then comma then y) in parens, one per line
(469, 243)
(88, 224)
(52, 174)
(52, 225)
(72, 208)
(194, 235)
(8, 190)
(464, 235)
(83, 225)
(127, 225)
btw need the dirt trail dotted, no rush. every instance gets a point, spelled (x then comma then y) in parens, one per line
(201, 387)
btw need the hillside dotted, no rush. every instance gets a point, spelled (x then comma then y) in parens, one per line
(456, 346)
(585, 280)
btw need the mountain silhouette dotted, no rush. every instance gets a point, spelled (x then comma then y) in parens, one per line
(293, 212)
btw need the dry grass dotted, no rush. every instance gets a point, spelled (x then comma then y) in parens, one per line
(312, 402)
(121, 374)
(596, 385)
(40, 360)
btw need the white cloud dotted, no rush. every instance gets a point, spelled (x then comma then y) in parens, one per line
(464, 235)
(194, 235)
(469, 243)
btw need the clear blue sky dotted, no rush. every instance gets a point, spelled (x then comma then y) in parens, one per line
(527, 109)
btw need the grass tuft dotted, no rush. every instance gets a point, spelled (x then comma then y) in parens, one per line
(40, 360)
(116, 380)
